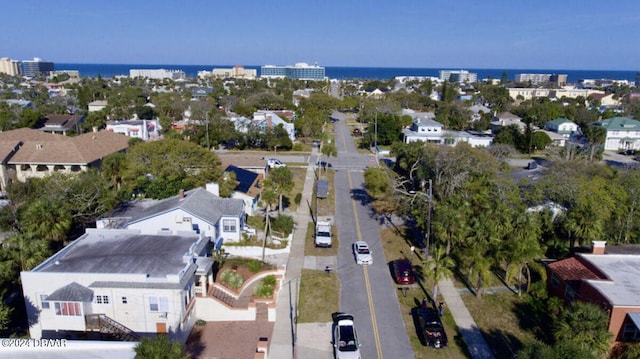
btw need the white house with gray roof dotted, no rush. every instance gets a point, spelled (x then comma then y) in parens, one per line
(117, 281)
(563, 127)
(426, 129)
(200, 210)
(623, 133)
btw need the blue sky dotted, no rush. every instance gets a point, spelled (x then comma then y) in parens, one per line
(526, 34)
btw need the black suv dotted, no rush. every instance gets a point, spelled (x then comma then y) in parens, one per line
(432, 329)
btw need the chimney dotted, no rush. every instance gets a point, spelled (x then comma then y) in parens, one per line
(269, 123)
(181, 194)
(213, 188)
(597, 247)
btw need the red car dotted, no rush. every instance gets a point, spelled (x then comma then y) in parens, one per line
(403, 271)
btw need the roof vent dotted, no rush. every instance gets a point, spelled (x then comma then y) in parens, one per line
(56, 263)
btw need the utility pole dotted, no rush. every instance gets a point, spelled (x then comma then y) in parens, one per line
(207, 128)
(375, 133)
(428, 234)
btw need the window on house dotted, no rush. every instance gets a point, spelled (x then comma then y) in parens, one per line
(43, 300)
(569, 293)
(68, 309)
(124, 300)
(229, 225)
(158, 304)
(555, 281)
(102, 299)
(630, 332)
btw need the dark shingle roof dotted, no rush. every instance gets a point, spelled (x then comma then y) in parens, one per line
(72, 292)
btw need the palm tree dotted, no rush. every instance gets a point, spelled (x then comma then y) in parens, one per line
(22, 252)
(329, 150)
(160, 347)
(47, 220)
(522, 249)
(438, 268)
(586, 325)
(449, 224)
(281, 181)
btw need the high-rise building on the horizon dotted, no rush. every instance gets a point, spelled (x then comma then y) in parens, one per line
(458, 76)
(157, 74)
(10, 67)
(36, 67)
(237, 72)
(558, 79)
(300, 71)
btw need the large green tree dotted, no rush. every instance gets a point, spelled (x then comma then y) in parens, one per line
(159, 169)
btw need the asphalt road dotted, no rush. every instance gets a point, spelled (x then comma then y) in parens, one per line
(367, 293)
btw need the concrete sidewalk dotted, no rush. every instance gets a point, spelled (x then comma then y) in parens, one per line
(285, 331)
(466, 325)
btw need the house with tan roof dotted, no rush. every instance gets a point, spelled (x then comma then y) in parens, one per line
(26, 153)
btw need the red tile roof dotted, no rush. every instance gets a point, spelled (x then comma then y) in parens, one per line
(572, 269)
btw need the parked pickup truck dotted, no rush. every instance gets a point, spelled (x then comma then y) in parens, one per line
(323, 234)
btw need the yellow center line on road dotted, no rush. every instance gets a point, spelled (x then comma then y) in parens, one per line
(376, 335)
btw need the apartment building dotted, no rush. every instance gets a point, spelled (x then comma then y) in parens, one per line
(236, 72)
(458, 76)
(10, 67)
(37, 67)
(300, 71)
(157, 74)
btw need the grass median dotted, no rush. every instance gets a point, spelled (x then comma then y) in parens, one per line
(319, 296)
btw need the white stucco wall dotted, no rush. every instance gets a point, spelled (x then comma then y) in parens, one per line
(135, 314)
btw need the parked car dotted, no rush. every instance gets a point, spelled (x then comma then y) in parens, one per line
(356, 131)
(323, 234)
(362, 253)
(345, 338)
(432, 329)
(275, 163)
(403, 271)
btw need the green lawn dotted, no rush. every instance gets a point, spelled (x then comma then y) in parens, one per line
(319, 296)
(311, 250)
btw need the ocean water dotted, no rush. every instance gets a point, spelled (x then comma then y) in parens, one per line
(332, 72)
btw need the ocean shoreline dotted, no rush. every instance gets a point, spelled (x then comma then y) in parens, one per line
(340, 73)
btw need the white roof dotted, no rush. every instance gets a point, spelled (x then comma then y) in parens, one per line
(70, 349)
(624, 270)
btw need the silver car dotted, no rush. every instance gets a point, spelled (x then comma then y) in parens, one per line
(345, 338)
(362, 253)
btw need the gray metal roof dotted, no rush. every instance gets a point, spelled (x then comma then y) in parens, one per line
(72, 292)
(198, 202)
(624, 270)
(123, 252)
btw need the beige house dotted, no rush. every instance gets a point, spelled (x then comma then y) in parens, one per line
(26, 153)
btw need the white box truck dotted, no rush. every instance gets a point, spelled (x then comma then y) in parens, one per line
(323, 234)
